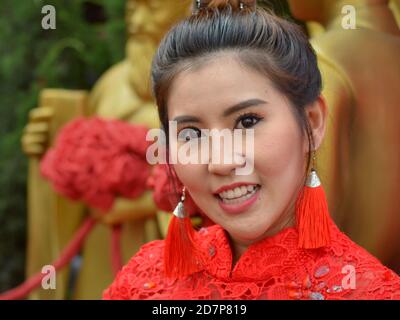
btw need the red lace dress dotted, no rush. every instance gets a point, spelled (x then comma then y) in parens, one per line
(273, 268)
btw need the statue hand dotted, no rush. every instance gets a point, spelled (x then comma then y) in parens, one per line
(125, 210)
(35, 138)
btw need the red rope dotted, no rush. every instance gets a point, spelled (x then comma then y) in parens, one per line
(116, 255)
(70, 251)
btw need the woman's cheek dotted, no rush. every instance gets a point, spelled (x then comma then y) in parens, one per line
(182, 173)
(193, 178)
(278, 158)
(271, 154)
(190, 175)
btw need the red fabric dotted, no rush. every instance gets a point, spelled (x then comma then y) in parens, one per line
(312, 217)
(96, 160)
(273, 268)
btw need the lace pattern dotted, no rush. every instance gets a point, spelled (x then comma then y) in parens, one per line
(273, 268)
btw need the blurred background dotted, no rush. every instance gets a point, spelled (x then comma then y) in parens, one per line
(89, 37)
(96, 62)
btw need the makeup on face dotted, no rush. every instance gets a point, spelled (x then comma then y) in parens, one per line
(227, 95)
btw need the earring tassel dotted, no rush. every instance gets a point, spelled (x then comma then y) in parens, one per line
(313, 217)
(180, 251)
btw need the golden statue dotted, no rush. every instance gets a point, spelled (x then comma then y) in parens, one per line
(360, 158)
(123, 92)
(395, 7)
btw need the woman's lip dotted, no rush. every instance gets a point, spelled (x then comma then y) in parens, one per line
(233, 186)
(238, 207)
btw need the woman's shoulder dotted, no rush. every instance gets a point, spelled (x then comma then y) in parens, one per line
(142, 277)
(137, 277)
(362, 272)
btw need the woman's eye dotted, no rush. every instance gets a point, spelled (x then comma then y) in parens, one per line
(188, 134)
(247, 121)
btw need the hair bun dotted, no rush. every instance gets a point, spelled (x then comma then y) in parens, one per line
(236, 5)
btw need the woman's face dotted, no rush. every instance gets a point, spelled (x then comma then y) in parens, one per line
(261, 203)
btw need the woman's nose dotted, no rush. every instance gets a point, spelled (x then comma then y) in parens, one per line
(226, 163)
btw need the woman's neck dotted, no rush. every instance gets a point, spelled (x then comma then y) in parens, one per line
(239, 247)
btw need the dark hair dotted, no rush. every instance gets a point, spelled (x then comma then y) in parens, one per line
(271, 45)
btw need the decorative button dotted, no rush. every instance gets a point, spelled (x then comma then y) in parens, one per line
(321, 271)
(203, 230)
(335, 289)
(320, 285)
(307, 282)
(211, 250)
(316, 296)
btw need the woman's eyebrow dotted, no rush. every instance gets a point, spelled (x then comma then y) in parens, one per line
(185, 119)
(243, 105)
(237, 107)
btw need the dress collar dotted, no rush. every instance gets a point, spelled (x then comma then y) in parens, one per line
(261, 259)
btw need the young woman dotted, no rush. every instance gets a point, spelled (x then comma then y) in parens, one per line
(233, 66)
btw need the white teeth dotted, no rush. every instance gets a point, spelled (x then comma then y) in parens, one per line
(238, 194)
(240, 199)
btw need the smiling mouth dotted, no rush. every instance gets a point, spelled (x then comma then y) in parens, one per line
(238, 195)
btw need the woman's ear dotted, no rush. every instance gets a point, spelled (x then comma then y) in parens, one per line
(317, 114)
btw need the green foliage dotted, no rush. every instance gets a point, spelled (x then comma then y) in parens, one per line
(84, 44)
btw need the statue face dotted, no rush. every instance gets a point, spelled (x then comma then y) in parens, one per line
(152, 17)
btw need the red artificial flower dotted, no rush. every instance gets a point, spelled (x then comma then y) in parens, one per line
(95, 160)
(167, 190)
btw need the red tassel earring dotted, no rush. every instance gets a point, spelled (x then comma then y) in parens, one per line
(180, 254)
(312, 214)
